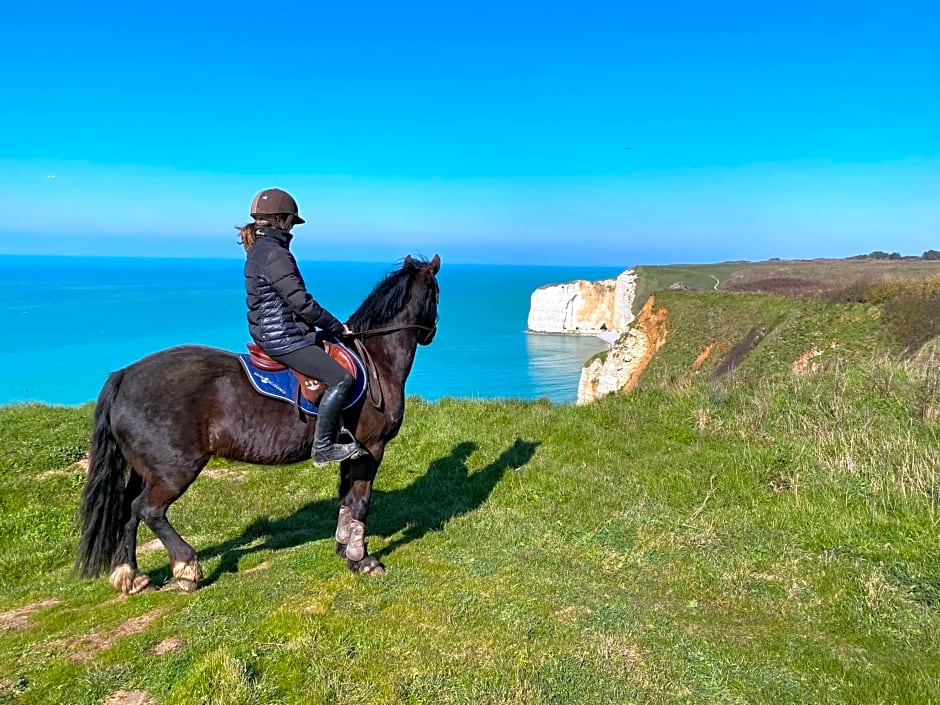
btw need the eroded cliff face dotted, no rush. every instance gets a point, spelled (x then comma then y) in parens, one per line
(621, 367)
(583, 307)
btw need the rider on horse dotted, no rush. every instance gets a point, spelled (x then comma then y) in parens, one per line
(280, 309)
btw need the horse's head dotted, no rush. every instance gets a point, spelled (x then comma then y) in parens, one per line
(405, 299)
(426, 275)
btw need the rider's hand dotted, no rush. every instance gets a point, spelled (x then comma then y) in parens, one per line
(347, 330)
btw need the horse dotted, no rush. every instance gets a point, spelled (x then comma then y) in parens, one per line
(158, 421)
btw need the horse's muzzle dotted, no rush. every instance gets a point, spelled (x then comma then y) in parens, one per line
(427, 335)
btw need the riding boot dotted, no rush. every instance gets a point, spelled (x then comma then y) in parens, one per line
(325, 448)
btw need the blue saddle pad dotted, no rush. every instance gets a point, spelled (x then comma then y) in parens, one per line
(283, 384)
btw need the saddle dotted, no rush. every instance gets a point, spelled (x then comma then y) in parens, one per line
(311, 389)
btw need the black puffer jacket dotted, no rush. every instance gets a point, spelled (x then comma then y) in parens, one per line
(277, 296)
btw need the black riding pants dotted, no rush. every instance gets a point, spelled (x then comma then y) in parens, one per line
(313, 362)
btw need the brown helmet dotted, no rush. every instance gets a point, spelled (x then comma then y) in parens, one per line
(273, 201)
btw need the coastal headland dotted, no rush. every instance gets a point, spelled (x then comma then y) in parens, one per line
(702, 308)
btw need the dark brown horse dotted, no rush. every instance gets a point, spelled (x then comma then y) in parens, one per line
(158, 422)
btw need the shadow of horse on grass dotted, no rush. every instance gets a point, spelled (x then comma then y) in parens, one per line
(446, 491)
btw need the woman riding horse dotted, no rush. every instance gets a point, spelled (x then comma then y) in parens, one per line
(277, 300)
(158, 421)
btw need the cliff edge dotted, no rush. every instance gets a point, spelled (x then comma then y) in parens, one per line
(584, 308)
(619, 369)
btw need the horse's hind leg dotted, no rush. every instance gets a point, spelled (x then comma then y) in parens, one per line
(124, 575)
(160, 491)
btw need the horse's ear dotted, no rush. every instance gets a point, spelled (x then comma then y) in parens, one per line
(436, 264)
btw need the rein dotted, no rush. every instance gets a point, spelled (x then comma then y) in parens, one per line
(366, 356)
(389, 329)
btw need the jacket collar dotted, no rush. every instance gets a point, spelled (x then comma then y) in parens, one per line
(281, 236)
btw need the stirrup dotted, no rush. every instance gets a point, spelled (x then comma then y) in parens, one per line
(344, 435)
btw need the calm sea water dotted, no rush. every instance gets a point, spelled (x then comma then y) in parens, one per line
(70, 321)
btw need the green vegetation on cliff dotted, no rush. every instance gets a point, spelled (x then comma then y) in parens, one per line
(816, 278)
(782, 317)
(711, 334)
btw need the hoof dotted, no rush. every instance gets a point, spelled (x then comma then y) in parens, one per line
(183, 585)
(187, 571)
(127, 580)
(367, 566)
(187, 575)
(340, 549)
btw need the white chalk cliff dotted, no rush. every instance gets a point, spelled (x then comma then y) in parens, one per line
(583, 307)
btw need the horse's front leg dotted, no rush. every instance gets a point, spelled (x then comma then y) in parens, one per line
(355, 490)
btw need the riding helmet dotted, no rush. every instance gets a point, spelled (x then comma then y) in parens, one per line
(273, 201)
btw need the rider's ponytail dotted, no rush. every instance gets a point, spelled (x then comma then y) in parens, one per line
(248, 233)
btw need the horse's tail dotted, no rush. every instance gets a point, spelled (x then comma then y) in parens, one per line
(103, 496)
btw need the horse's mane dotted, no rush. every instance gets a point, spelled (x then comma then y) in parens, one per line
(389, 297)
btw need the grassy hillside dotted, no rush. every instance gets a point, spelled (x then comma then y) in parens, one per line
(710, 334)
(768, 538)
(754, 319)
(698, 277)
(789, 277)
(811, 276)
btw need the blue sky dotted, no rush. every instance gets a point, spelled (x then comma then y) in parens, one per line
(487, 132)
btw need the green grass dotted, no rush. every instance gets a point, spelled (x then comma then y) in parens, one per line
(821, 277)
(699, 277)
(827, 273)
(788, 328)
(766, 539)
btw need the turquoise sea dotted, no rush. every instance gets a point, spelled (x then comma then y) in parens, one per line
(70, 321)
